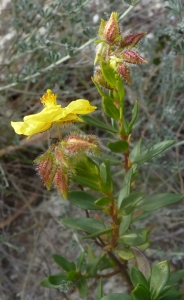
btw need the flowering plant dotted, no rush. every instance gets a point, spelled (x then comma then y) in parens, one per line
(74, 158)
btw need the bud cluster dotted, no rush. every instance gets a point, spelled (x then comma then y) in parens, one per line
(117, 50)
(59, 162)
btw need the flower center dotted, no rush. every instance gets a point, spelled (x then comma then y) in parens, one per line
(49, 99)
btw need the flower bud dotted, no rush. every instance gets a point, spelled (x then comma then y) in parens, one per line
(111, 31)
(47, 167)
(60, 156)
(124, 71)
(98, 77)
(132, 57)
(131, 40)
(75, 144)
(61, 180)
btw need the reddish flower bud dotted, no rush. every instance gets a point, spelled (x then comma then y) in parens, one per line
(98, 77)
(131, 40)
(124, 71)
(60, 155)
(61, 180)
(47, 167)
(111, 31)
(132, 57)
(75, 144)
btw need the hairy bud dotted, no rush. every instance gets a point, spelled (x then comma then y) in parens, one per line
(75, 144)
(131, 40)
(47, 167)
(133, 57)
(111, 31)
(61, 180)
(124, 71)
(98, 77)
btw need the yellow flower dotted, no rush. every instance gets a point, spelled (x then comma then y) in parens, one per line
(52, 114)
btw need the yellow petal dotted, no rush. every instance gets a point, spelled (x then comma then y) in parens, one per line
(30, 129)
(48, 114)
(70, 118)
(80, 107)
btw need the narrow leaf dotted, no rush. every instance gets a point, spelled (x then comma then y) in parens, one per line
(99, 293)
(57, 279)
(96, 123)
(109, 108)
(63, 262)
(152, 151)
(142, 262)
(140, 292)
(98, 233)
(45, 283)
(135, 237)
(125, 190)
(118, 146)
(125, 223)
(130, 201)
(138, 278)
(176, 276)
(134, 116)
(83, 200)
(82, 287)
(80, 261)
(157, 201)
(89, 225)
(159, 278)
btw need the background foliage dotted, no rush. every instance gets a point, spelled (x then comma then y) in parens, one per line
(49, 44)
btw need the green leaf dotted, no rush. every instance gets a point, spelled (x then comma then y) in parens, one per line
(63, 262)
(117, 296)
(82, 286)
(109, 108)
(57, 279)
(138, 278)
(120, 88)
(98, 233)
(135, 237)
(142, 262)
(130, 201)
(80, 260)
(125, 253)
(112, 160)
(142, 216)
(96, 123)
(83, 200)
(152, 151)
(159, 278)
(99, 293)
(45, 283)
(135, 152)
(125, 190)
(108, 73)
(157, 201)
(105, 173)
(118, 146)
(175, 277)
(134, 116)
(87, 174)
(140, 292)
(92, 262)
(125, 223)
(89, 225)
(103, 201)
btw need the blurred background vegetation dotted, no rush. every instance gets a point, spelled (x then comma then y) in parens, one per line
(49, 44)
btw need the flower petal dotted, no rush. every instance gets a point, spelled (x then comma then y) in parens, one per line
(80, 107)
(30, 129)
